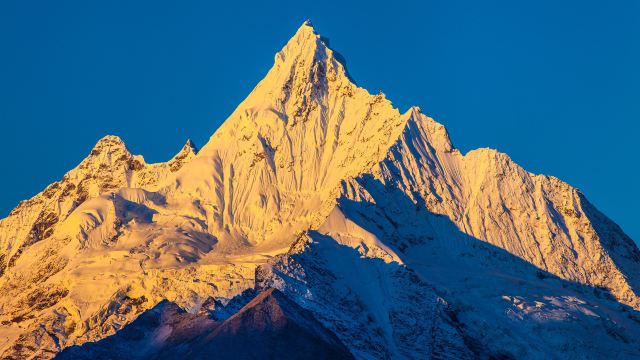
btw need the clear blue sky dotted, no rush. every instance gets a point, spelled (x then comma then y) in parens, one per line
(555, 84)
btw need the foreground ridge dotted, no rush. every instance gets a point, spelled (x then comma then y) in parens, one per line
(269, 326)
(384, 238)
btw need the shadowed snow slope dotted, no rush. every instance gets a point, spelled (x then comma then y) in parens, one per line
(270, 326)
(368, 218)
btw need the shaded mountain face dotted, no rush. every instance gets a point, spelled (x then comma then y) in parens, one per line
(269, 326)
(165, 327)
(368, 218)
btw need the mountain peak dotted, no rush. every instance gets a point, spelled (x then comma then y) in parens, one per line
(109, 144)
(188, 151)
(110, 140)
(190, 145)
(305, 41)
(305, 76)
(307, 29)
(305, 62)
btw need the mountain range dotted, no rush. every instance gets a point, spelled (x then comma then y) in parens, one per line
(318, 221)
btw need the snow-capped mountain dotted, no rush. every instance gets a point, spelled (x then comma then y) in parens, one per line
(380, 237)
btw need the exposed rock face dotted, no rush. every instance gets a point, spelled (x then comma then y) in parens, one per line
(368, 218)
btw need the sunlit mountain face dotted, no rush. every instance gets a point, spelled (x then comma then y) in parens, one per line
(318, 221)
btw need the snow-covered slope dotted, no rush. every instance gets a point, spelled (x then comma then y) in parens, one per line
(272, 165)
(109, 167)
(367, 217)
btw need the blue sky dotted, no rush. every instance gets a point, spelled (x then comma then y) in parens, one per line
(555, 84)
